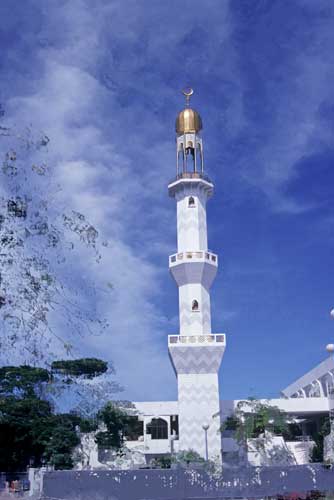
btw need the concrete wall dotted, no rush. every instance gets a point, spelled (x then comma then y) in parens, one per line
(170, 484)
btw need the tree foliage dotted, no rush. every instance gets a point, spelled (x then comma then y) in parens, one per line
(89, 367)
(253, 417)
(119, 424)
(317, 453)
(30, 431)
(22, 380)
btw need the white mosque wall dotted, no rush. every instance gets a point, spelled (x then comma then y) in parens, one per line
(292, 405)
(165, 409)
(194, 437)
(227, 406)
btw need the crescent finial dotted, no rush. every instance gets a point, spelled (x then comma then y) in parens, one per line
(187, 92)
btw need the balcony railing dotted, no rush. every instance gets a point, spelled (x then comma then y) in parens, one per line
(217, 338)
(184, 256)
(191, 175)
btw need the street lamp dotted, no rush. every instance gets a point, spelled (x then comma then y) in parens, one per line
(205, 428)
(330, 349)
(172, 439)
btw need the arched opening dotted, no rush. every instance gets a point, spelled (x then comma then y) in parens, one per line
(158, 428)
(199, 157)
(191, 202)
(194, 305)
(190, 158)
(180, 161)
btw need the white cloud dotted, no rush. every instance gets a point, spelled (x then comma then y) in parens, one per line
(105, 186)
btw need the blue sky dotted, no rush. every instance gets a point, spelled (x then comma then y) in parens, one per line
(102, 79)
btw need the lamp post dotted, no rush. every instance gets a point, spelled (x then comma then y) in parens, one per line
(205, 428)
(172, 439)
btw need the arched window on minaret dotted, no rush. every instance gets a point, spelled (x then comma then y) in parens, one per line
(191, 202)
(194, 305)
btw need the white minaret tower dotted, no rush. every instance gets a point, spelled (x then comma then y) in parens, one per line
(196, 353)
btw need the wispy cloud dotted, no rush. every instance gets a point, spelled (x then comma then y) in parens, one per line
(102, 79)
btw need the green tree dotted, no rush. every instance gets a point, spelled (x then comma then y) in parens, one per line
(253, 417)
(118, 423)
(88, 367)
(61, 440)
(21, 422)
(30, 431)
(317, 453)
(23, 381)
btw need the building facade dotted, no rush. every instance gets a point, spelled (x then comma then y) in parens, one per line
(194, 420)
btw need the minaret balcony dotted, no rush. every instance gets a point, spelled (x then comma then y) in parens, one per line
(194, 267)
(199, 256)
(211, 339)
(201, 354)
(191, 175)
(185, 180)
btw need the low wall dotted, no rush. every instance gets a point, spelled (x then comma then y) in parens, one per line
(177, 484)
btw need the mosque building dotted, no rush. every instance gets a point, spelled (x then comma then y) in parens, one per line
(194, 420)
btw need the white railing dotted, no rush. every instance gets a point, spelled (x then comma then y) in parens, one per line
(217, 338)
(181, 256)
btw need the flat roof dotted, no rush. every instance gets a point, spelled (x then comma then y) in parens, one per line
(292, 405)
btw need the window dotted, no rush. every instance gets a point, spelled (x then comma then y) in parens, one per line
(133, 429)
(194, 306)
(191, 202)
(158, 428)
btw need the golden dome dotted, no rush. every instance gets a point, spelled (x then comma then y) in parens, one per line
(188, 120)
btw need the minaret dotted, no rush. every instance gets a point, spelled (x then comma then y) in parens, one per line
(196, 353)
